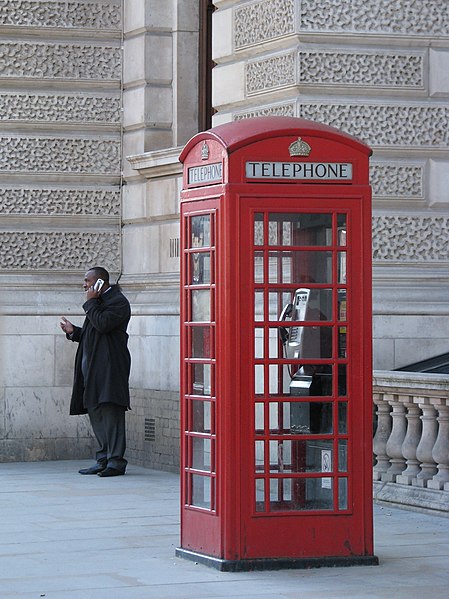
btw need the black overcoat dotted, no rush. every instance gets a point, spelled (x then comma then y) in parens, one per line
(103, 340)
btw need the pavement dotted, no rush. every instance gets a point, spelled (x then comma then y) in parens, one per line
(67, 536)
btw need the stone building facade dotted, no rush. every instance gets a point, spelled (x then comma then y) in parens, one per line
(99, 96)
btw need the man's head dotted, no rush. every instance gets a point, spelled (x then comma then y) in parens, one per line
(94, 273)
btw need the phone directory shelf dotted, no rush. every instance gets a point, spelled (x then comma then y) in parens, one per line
(276, 346)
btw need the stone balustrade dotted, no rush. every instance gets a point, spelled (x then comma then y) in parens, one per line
(411, 442)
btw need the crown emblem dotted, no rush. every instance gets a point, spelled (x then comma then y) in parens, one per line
(299, 148)
(204, 151)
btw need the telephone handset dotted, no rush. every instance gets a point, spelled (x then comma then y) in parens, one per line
(293, 337)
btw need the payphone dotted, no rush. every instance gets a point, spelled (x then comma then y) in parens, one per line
(276, 347)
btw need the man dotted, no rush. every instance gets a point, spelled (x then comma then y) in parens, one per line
(102, 366)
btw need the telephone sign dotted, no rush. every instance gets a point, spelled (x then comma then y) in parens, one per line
(276, 347)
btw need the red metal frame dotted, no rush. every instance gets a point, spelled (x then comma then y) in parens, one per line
(232, 530)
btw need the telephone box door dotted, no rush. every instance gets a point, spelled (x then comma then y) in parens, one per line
(303, 329)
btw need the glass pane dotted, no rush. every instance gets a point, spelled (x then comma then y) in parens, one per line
(342, 493)
(342, 306)
(201, 305)
(259, 456)
(342, 349)
(200, 231)
(276, 349)
(292, 456)
(300, 418)
(313, 342)
(260, 495)
(341, 228)
(342, 390)
(200, 268)
(201, 416)
(307, 305)
(201, 342)
(258, 229)
(295, 494)
(312, 380)
(342, 418)
(201, 491)
(300, 267)
(259, 379)
(276, 379)
(258, 306)
(342, 267)
(201, 379)
(280, 303)
(342, 455)
(259, 418)
(201, 453)
(258, 267)
(258, 343)
(311, 418)
(300, 229)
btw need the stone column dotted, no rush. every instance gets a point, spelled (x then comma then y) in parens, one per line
(383, 432)
(410, 444)
(394, 443)
(440, 451)
(425, 446)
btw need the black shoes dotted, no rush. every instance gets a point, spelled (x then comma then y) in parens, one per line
(111, 472)
(93, 469)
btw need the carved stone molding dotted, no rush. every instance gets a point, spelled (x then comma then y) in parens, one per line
(67, 108)
(68, 155)
(419, 126)
(367, 69)
(41, 13)
(261, 21)
(256, 22)
(58, 250)
(270, 73)
(410, 238)
(401, 181)
(409, 17)
(58, 201)
(276, 110)
(53, 60)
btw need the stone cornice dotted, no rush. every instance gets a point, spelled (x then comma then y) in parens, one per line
(160, 163)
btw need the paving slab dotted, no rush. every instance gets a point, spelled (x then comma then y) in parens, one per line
(68, 536)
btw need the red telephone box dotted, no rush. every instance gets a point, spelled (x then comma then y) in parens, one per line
(276, 347)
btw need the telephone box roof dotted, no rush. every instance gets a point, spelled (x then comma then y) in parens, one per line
(237, 134)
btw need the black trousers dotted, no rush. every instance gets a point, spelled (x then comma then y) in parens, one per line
(108, 424)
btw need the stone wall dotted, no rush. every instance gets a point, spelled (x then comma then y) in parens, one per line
(160, 102)
(380, 71)
(60, 206)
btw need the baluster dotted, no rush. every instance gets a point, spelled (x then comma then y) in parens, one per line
(382, 434)
(394, 443)
(411, 440)
(440, 451)
(425, 446)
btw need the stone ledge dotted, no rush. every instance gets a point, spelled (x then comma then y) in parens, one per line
(412, 497)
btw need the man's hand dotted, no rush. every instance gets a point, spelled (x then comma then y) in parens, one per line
(92, 294)
(66, 325)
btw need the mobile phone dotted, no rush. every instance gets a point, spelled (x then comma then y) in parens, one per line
(98, 284)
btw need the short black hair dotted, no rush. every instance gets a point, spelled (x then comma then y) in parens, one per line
(100, 273)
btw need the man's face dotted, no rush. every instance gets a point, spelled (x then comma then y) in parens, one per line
(89, 280)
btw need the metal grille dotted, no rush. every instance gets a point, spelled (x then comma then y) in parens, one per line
(150, 429)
